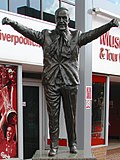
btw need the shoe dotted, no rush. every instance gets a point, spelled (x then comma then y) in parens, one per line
(73, 149)
(52, 152)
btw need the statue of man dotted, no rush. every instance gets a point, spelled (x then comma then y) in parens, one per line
(60, 73)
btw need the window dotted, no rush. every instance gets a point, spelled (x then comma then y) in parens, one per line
(117, 2)
(71, 7)
(98, 110)
(13, 4)
(4, 4)
(34, 4)
(50, 6)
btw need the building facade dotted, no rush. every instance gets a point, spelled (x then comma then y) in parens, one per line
(21, 64)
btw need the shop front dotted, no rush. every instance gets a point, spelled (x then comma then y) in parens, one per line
(23, 59)
(105, 85)
(22, 111)
(21, 92)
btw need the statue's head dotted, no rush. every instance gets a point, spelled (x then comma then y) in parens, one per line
(62, 18)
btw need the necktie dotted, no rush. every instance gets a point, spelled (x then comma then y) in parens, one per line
(60, 44)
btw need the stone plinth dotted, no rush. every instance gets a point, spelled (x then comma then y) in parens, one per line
(61, 155)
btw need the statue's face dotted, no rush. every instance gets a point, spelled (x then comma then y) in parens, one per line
(62, 20)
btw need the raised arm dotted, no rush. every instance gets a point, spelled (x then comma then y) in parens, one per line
(33, 35)
(95, 33)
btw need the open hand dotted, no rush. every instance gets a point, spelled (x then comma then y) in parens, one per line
(6, 21)
(114, 23)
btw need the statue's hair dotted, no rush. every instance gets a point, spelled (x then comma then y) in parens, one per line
(59, 9)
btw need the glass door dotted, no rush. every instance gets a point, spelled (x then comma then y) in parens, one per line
(30, 120)
(98, 110)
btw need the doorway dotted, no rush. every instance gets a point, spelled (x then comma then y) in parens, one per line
(114, 115)
(31, 134)
(99, 90)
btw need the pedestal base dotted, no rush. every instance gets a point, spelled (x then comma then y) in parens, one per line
(61, 155)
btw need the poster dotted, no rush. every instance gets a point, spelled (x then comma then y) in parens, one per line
(8, 111)
(88, 92)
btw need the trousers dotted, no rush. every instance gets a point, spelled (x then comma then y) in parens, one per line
(68, 94)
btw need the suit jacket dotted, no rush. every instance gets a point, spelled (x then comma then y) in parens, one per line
(61, 60)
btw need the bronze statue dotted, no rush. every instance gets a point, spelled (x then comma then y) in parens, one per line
(60, 73)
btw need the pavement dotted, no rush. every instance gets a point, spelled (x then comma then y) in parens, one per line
(113, 154)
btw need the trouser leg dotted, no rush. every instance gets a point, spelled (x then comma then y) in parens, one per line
(52, 95)
(69, 95)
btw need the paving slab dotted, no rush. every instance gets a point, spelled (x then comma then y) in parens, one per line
(61, 155)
